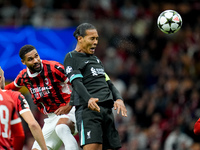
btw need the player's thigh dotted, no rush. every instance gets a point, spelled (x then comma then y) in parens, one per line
(69, 119)
(89, 126)
(111, 139)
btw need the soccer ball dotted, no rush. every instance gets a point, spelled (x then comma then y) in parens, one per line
(169, 21)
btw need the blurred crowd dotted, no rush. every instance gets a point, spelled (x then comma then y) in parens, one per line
(157, 74)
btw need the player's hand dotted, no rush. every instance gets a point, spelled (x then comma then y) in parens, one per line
(119, 105)
(63, 109)
(92, 104)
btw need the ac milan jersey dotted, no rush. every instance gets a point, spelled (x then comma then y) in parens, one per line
(21, 104)
(8, 117)
(48, 87)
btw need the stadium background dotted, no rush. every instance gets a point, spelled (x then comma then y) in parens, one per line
(157, 74)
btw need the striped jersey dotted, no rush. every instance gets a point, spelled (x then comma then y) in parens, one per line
(49, 88)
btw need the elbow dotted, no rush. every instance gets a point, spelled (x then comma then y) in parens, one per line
(33, 125)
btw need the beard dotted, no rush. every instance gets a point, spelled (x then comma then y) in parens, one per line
(36, 67)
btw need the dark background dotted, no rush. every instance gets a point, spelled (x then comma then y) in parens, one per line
(157, 74)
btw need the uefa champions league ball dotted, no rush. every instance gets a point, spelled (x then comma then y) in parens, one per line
(169, 21)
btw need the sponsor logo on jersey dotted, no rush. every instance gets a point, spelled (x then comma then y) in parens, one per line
(68, 69)
(96, 71)
(40, 91)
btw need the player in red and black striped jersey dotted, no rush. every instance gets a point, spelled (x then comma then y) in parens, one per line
(10, 123)
(47, 83)
(47, 87)
(23, 109)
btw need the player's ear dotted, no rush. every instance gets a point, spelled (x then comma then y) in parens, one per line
(79, 38)
(22, 61)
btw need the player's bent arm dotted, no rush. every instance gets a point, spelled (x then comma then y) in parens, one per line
(35, 128)
(197, 127)
(11, 86)
(78, 86)
(18, 136)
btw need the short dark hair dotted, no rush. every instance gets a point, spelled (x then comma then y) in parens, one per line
(25, 49)
(80, 30)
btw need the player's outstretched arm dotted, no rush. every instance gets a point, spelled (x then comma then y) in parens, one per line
(119, 105)
(35, 129)
(11, 86)
(197, 127)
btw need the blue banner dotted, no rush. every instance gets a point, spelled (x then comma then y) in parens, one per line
(51, 44)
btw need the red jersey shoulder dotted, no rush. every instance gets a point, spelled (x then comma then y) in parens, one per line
(15, 94)
(19, 100)
(22, 72)
(5, 98)
(54, 64)
(56, 67)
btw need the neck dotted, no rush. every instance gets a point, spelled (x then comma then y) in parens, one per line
(78, 49)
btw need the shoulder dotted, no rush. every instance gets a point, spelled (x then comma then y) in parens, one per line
(68, 55)
(24, 71)
(4, 95)
(13, 94)
(72, 54)
(53, 64)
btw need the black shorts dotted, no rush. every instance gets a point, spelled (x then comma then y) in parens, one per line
(95, 127)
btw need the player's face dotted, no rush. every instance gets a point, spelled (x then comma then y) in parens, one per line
(89, 42)
(32, 61)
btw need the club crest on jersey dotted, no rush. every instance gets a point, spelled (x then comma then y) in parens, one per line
(68, 69)
(46, 81)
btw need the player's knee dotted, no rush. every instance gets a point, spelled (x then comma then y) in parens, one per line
(68, 122)
(63, 121)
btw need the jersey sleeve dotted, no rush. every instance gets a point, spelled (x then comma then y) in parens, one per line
(19, 100)
(11, 86)
(72, 68)
(18, 82)
(60, 73)
(22, 104)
